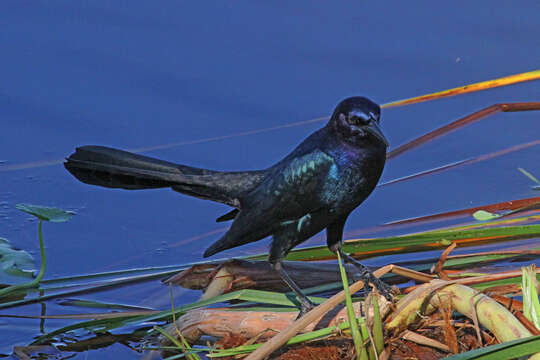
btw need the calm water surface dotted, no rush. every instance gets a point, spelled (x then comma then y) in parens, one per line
(135, 74)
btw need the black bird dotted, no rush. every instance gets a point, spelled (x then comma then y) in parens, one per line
(315, 187)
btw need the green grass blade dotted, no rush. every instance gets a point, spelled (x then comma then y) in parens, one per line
(369, 247)
(531, 303)
(84, 289)
(182, 345)
(417, 242)
(368, 345)
(463, 261)
(117, 273)
(90, 304)
(249, 295)
(358, 340)
(259, 296)
(529, 175)
(169, 337)
(507, 350)
(485, 285)
(378, 336)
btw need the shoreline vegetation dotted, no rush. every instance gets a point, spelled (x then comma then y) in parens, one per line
(475, 305)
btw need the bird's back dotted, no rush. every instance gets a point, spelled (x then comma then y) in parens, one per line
(321, 175)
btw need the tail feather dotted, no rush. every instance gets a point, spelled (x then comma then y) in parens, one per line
(112, 168)
(99, 165)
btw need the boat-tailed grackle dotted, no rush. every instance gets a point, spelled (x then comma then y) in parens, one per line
(315, 187)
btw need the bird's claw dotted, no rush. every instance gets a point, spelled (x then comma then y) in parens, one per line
(383, 288)
(305, 307)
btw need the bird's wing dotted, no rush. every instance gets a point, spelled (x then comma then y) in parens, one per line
(292, 191)
(295, 189)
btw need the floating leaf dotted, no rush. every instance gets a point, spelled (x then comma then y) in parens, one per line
(14, 262)
(445, 242)
(46, 213)
(482, 215)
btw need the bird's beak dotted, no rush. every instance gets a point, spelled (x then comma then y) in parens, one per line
(374, 129)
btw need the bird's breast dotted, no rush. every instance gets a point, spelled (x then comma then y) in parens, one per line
(353, 177)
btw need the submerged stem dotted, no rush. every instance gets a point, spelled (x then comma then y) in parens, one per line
(43, 258)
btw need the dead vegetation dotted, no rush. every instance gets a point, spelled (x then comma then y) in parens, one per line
(435, 318)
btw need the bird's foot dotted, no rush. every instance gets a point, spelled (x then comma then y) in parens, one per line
(305, 306)
(365, 274)
(383, 288)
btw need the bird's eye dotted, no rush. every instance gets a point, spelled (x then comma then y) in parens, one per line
(359, 119)
(374, 117)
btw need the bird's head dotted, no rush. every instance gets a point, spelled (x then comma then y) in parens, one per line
(357, 120)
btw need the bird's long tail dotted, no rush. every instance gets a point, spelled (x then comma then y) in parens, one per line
(112, 168)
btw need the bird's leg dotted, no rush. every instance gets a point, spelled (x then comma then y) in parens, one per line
(368, 276)
(334, 235)
(305, 304)
(281, 245)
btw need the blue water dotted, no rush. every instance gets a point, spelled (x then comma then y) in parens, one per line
(134, 74)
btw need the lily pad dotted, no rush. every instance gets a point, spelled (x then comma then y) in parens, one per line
(46, 213)
(14, 262)
(445, 242)
(482, 215)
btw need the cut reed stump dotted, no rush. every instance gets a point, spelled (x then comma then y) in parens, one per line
(238, 274)
(222, 322)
